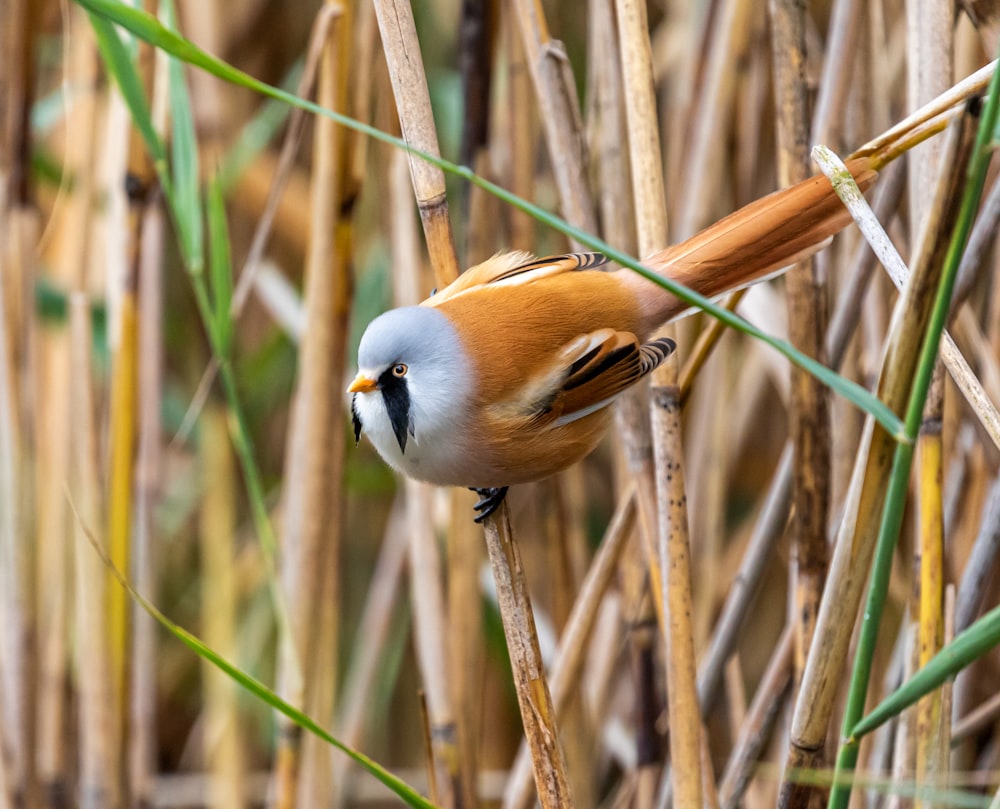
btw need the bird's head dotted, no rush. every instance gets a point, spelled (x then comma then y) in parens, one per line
(413, 378)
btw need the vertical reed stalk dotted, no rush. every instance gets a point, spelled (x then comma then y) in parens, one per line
(533, 696)
(53, 444)
(567, 665)
(931, 553)
(673, 542)
(98, 785)
(314, 504)
(142, 750)
(221, 727)
(140, 185)
(809, 416)
(559, 113)
(936, 264)
(430, 621)
(409, 84)
(859, 527)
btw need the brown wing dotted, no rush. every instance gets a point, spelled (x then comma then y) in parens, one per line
(587, 374)
(515, 268)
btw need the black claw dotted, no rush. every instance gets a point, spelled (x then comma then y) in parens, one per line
(490, 500)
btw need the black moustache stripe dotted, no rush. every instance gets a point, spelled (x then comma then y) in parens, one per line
(397, 405)
(355, 419)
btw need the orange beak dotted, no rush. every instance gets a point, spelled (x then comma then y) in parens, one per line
(362, 384)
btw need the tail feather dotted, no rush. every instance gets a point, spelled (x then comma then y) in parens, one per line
(757, 240)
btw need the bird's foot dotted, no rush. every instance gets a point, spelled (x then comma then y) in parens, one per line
(490, 500)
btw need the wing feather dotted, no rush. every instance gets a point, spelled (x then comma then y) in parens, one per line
(506, 269)
(586, 375)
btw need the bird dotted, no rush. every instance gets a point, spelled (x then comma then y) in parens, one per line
(507, 374)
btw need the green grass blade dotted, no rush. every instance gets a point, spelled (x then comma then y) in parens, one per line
(148, 28)
(184, 164)
(970, 645)
(220, 267)
(405, 792)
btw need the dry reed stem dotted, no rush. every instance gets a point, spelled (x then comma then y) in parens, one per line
(862, 512)
(983, 235)
(982, 560)
(559, 112)
(465, 555)
(768, 529)
(140, 185)
(708, 339)
(968, 384)
(930, 552)
(533, 696)
(52, 443)
(98, 785)
(930, 65)
(430, 634)
(834, 85)
(12, 615)
(673, 543)
(142, 693)
(409, 84)
(403, 57)
(632, 410)
(569, 659)
(519, 126)
(888, 144)
(710, 127)
(764, 710)
(370, 639)
(313, 493)
(283, 169)
(465, 642)
(221, 727)
(809, 400)
(427, 598)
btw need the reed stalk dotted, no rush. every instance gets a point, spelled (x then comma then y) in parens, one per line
(316, 443)
(672, 537)
(219, 603)
(399, 40)
(568, 662)
(809, 417)
(533, 695)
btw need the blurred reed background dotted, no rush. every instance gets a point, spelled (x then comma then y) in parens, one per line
(173, 358)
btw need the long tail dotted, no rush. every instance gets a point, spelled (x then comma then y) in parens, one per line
(753, 242)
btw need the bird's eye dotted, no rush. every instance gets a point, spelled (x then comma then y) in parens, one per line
(399, 370)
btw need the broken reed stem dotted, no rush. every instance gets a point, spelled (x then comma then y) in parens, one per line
(533, 696)
(870, 225)
(809, 400)
(409, 85)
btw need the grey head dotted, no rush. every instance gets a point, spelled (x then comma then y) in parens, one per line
(413, 380)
